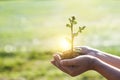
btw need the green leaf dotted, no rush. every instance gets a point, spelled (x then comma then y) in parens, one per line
(83, 27)
(73, 17)
(80, 29)
(68, 25)
(70, 20)
(74, 22)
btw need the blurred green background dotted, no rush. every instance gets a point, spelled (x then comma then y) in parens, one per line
(31, 31)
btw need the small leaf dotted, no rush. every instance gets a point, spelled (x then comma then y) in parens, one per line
(83, 27)
(70, 20)
(74, 22)
(68, 25)
(73, 17)
(80, 29)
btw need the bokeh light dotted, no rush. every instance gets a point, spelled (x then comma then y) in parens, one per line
(64, 44)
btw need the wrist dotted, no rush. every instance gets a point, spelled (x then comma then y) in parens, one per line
(92, 62)
(96, 64)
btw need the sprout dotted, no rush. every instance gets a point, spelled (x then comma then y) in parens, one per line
(72, 22)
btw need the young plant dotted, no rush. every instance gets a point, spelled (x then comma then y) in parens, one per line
(71, 53)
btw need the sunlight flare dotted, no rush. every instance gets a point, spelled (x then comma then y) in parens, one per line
(65, 45)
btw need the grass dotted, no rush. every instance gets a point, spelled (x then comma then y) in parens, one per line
(37, 66)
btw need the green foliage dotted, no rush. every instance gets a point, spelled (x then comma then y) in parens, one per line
(5, 54)
(40, 55)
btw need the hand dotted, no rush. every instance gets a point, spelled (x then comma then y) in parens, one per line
(85, 50)
(74, 66)
(80, 50)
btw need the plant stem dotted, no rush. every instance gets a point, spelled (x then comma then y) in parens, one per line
(72, 37)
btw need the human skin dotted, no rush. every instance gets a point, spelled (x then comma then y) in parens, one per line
(105, 57)
(108, 71)
(89, 60)
(73, 66)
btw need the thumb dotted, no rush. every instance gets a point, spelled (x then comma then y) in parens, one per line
(83, 50)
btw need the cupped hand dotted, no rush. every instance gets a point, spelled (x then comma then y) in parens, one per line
(74, 66)
(85, 50)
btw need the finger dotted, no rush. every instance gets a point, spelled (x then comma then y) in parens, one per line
(82, 49)
(68, 62)
(53, 62)
(57, 57)
(65, 69)
(57, 63)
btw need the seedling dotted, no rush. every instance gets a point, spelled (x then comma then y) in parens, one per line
(72, 22)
